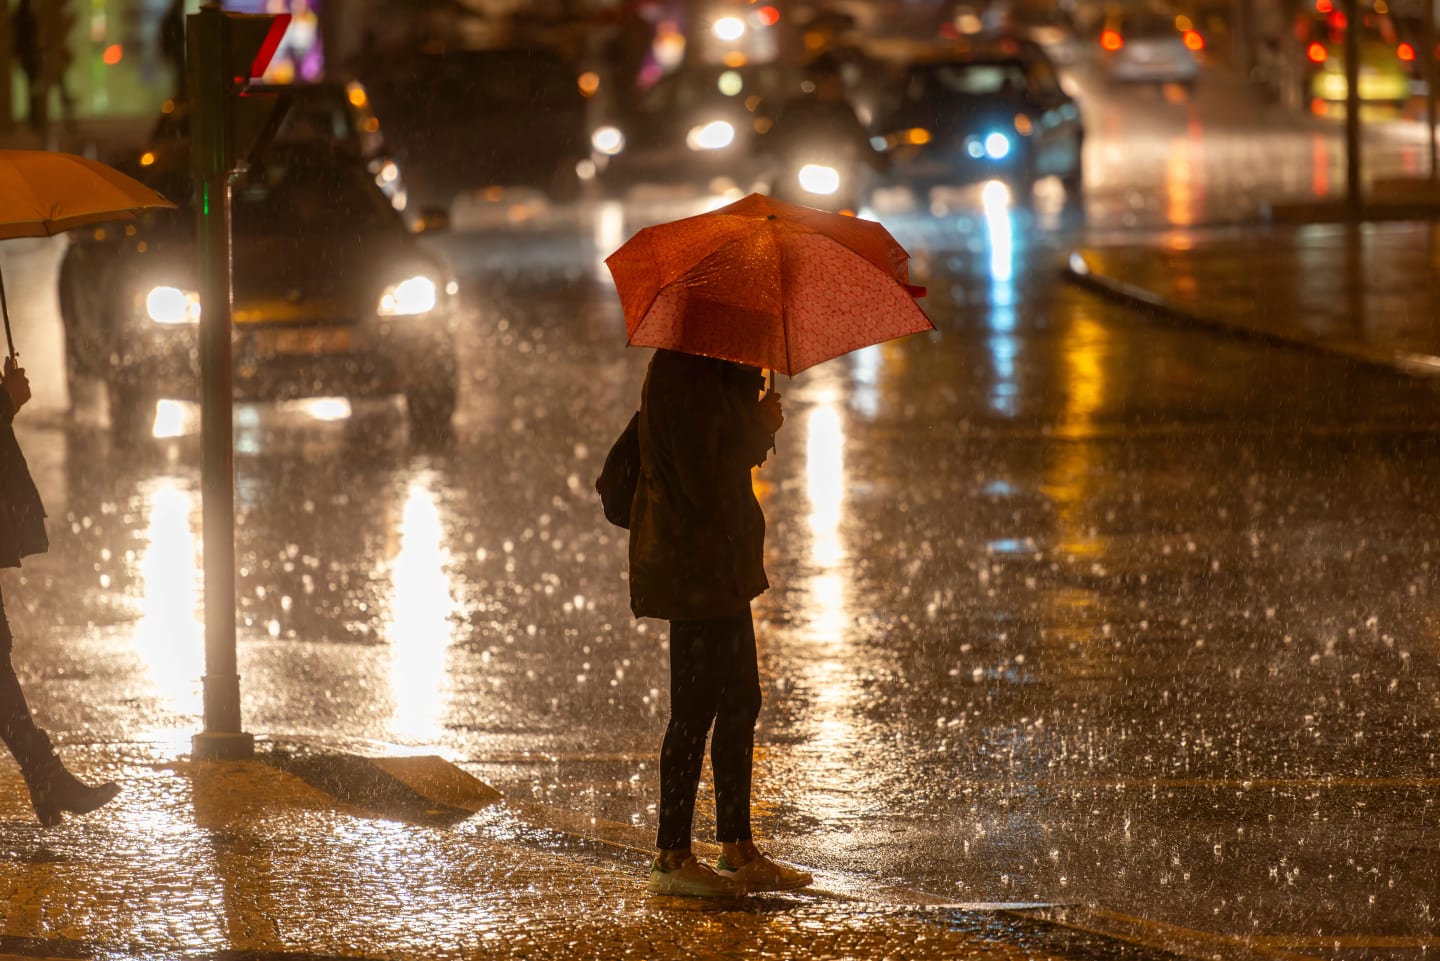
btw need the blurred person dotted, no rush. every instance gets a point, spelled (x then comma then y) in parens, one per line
(54, 791)
(696, 543)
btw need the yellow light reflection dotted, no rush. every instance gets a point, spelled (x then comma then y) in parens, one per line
(328, 408)
(825, 484)
(1070, 476)
(420, 629)
(1184, 193)
(170, 637)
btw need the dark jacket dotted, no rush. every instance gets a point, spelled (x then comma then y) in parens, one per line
(22, 515)
(697, 534)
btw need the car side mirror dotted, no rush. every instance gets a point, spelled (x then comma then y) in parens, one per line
(432, 220)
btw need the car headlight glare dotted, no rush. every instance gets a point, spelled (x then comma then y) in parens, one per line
(715, 135)
(414, 295)
(172, 306)
(997, 146)
(608, 140)
(819, 179)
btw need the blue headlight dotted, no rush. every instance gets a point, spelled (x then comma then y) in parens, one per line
(997, 146)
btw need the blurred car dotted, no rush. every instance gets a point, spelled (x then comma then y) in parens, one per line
(476, 120)
(333, 295)
(327, 112)
(1150, 46)
(1386, 60)
(986, 116)
(694, 126)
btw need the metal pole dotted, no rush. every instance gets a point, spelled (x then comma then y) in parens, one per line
(1353, 208)
(205, 38)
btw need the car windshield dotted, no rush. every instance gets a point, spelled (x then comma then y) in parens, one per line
(1148, 26)
(307, 197)
(460, 86)
(966, 80)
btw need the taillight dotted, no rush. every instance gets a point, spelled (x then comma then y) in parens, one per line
(1194, 41)
(1111, 40)
(1405, 52)
(1324, 6)
(1316, 52)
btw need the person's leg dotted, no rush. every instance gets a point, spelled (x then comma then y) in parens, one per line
(53, 789)
(732, 750)
(694, 698)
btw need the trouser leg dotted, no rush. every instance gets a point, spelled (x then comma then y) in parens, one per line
(732, 749)
(29, 745)
(694, 698)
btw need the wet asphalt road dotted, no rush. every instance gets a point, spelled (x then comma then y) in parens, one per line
(1070, 605)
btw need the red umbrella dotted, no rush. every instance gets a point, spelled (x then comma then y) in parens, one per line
(766, 283)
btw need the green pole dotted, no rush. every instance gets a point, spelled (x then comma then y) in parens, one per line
(205, 39)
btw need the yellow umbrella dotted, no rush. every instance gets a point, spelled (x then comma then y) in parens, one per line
(43, 192)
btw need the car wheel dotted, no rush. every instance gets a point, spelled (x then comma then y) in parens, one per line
(429, 409)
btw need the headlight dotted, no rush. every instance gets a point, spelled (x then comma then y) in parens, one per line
(172, 306)
(997, 146)
(819, 179)
(414, 295)
(714, 135)
(608, 140)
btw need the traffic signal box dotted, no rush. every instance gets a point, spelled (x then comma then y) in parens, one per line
(224, 53)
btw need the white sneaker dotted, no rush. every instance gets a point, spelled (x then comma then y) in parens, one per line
(692, 880)
(764, 874)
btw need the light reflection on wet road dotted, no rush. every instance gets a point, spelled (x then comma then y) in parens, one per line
(1069, 605)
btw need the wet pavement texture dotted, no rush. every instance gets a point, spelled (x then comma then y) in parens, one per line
(1368, 291)
(1072, 606)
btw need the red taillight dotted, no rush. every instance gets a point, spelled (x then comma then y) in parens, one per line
(1194, 41)
(1316, 52)
(1405, 52)
(1111, 41)
(1323, 6)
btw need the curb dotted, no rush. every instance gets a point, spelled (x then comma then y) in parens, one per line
(1077, 271)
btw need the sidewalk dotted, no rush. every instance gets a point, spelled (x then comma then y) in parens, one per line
(412, 858)
(1370, 292)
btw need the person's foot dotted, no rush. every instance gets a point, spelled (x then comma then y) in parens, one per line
(763, 873)
(691, 880)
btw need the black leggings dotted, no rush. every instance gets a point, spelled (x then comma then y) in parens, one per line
(713, 678)
(26, 742)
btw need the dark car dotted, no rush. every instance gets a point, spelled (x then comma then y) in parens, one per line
(980, 117)
(471, 120)
(694, 127)
(333, 295)
(331, 112)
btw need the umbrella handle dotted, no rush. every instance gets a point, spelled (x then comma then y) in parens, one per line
(5, 310)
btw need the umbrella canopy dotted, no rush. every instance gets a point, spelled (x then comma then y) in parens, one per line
(43, 192)
(766, 283)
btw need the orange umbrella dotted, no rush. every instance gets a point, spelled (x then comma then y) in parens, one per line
(43, 192)
(766, 283)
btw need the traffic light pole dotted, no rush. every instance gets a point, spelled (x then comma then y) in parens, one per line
(210, 160)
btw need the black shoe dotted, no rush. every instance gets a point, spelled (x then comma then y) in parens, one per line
(59, 792)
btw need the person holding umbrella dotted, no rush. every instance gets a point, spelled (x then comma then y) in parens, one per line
(759, 284)
(43, 193)
(54, 791)
(696, 543)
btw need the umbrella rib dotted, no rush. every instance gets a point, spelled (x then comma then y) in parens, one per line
(784, 325)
